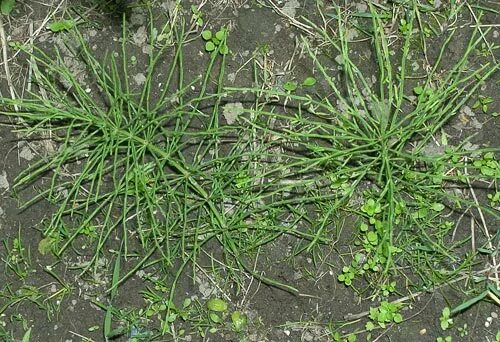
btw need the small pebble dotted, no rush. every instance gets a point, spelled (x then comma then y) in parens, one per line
(494, 314)
(489, 319)
(487, 324)
(423, 331)
(287, 332)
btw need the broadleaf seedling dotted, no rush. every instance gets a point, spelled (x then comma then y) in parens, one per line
(206, 35)
(217, 305)
(197, 17)
(309, 82)
(239, 320)
(371, 207)
(488, 165)
(482, 102)
(404, 27)
(215, 41)
(445, 320)
(444, 339)
(386, 313)
(290, 86)
(61, 25)
(422, 93)
(6, 6)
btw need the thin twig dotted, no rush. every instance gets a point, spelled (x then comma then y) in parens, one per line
(486, 231)
(3, 42)
(42, 25)
(293, 21)
(481, 32)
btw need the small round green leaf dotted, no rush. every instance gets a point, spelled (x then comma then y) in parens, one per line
(372, 237)
(239, 320)
(290, 86)
(437, 206)
(207, 34)
(46, 244)
(220, 35)
(215, 318)
(6, 6)
(62, 25)
(217, 305)
(224, 50)
(398, 318)
(370, 326)
(209, 46)
(309, 82)
(186, 303)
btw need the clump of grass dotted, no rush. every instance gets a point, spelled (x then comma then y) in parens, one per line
(159, 170)
(128, 145)
(120, 169)
(153, 169)
(376, 135)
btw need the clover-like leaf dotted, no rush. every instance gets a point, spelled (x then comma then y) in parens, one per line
(209, 46)
(220, 35)
(206, 35)
(372, 237)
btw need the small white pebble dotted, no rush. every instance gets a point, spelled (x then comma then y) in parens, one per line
(88, 90)
(489, 319)
(287, 332)
(423, 331)
(487, 324)
(494, 314)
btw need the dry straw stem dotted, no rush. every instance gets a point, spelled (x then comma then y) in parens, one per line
(3, 41)
(494, 268)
